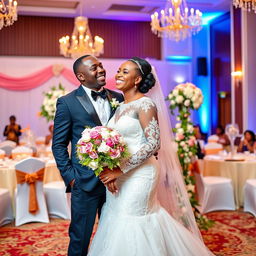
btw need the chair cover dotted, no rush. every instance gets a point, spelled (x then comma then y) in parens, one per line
(6, 215)
(214, 193)
(24, 211)
(58, 201)
(250, 196)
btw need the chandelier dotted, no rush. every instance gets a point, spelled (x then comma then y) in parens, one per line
(176, 22)
(8, 13)
(245, 4)
(81, 42)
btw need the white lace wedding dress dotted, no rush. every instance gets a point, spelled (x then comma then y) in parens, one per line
(132, 221)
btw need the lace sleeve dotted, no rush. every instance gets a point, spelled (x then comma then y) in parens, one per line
(147, 115)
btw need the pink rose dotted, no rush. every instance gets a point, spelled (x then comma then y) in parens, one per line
(114, 153)
(121, 148)
(97, 142)
(86, 148)
(94, 135)
(182, 155)
(191, 142)
(110, 142)
(179, 136)
(93, 155)
(116, 139)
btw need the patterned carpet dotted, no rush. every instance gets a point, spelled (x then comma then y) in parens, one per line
(234, 233)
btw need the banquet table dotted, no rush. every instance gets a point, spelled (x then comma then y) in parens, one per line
(239, 169)
(8, 175)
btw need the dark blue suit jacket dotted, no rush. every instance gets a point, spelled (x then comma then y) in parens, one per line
(74, 112)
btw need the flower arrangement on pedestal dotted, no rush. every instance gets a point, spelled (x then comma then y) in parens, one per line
(48, 108)
(185, 97)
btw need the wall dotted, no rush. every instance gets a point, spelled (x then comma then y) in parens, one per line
(39, 36)
(249, 70)
(201, 48)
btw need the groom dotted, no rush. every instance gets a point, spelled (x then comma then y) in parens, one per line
(89, 105)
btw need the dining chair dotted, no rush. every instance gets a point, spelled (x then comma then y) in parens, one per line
(6, 215)
(214, 193)
(250, 196)
(57, 200)
(29, 196)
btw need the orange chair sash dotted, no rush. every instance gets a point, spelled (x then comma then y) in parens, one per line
(31, 179)
(212, 151)
(21, 154)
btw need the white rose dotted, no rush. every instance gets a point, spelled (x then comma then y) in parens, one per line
(178, 118)
(114, 133)
(105, 134)
(190, 128)
(172, 102)
(178, 125)
(186, 160)
(175, 92)
(191, 187)
(180, 130)
(194, 98)
(187, 103)
(179, 99)
(190, 154)
(93, 165)
(188, 92)
(170, 96)
(182, 144)
(86, 136)
(104, 148)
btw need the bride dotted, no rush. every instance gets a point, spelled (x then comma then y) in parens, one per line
(148, 212)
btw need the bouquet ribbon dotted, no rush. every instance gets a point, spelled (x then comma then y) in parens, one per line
(31, 179)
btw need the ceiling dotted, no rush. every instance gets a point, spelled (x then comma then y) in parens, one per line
(110, 9)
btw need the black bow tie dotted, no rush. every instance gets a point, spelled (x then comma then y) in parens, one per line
(102, 94)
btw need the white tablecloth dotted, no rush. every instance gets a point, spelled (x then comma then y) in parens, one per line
(237, 171)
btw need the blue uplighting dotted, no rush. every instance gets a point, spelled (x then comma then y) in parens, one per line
(178, 58)
(208, 17)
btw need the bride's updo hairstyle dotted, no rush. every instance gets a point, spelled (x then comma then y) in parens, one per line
(148, 79)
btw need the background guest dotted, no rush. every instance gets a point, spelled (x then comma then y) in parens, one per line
(48, 138)
(248, 143)
(200, 143)
(223, 138)
(13, 130)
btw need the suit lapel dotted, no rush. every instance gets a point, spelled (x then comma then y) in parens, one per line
(87, 105)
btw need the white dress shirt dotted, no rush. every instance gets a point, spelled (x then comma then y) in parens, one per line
(101, 106)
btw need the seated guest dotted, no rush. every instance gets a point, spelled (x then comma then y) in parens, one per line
(248, 143)
(200, 143)
(13, 130)
(223, 138)
(48, 138)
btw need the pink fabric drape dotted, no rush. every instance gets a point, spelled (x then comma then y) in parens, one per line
(40, 77)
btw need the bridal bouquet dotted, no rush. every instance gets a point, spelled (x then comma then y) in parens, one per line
(48, 108)
(186, 95)
(100, 147)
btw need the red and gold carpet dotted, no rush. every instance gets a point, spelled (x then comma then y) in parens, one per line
(234, 233)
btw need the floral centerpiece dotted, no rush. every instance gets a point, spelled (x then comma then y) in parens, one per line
(185, 97)
(48, 108)
(100, 147)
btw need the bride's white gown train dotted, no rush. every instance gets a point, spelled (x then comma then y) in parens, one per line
(132, 221)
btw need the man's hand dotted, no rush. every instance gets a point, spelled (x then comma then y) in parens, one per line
(109, 175)
(112, 187)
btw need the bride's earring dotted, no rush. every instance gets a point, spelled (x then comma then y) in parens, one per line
(135, 86)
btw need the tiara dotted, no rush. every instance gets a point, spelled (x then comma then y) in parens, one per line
(138, 64)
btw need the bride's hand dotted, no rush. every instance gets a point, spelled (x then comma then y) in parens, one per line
(112, 187)
(109, 175)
